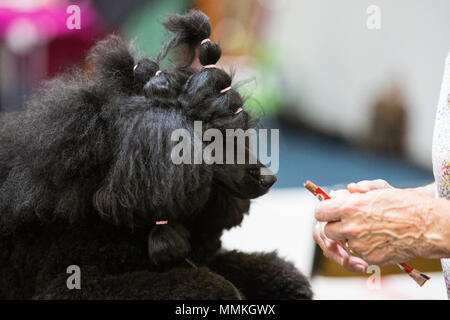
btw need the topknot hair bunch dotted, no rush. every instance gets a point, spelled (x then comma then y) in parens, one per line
(189, 30)
(209, 52)
(207, 94)
(143, 70)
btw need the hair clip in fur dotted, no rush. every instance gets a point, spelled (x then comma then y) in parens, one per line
(209, 66)
(205, 41)
(225, 90)
(161, 222)
(157, 73)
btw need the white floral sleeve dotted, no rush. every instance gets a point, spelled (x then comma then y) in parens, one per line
(441, 152)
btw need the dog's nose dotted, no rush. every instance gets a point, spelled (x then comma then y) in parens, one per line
(268, 180)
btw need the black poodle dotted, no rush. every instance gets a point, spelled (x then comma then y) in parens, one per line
(87, 179)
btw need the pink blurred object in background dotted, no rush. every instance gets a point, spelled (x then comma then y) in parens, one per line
(36, 42)
(48, 17)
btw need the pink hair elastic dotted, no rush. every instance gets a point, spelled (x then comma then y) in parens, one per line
(161, 222)
(157, 73)
(238, 111)
(205, 41)
(209, 66)
(225, 90)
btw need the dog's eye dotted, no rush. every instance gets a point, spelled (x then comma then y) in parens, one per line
(254, 171)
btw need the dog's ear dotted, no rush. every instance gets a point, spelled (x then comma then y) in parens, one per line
(143, 178)
(111, 61)
(168, 244)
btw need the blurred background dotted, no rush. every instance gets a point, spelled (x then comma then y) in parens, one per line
(351, 102)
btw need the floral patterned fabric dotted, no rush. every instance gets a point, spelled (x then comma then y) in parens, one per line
(441, 152)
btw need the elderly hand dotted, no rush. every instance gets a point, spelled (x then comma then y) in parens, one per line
(383, 226)
(334, 250)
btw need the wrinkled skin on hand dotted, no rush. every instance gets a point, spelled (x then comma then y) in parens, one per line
(335, 250)
(385, 226)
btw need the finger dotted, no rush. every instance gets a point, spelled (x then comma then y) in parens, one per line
(356, 264)
(338, 231)
(355, 188)
(350, 262)
(338, 193)
(328, 242)
(320, 238)
(331, 210)
(329, 248)
(339, 255)
(321, 230)
(316, 233)
(367, 185)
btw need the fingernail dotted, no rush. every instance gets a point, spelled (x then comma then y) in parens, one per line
(361, 268)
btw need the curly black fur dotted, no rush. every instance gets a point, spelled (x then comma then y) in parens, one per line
(85, 172)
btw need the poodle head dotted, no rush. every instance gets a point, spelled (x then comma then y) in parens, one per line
(154, 179)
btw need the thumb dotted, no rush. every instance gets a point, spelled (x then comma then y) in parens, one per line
(368, 185)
